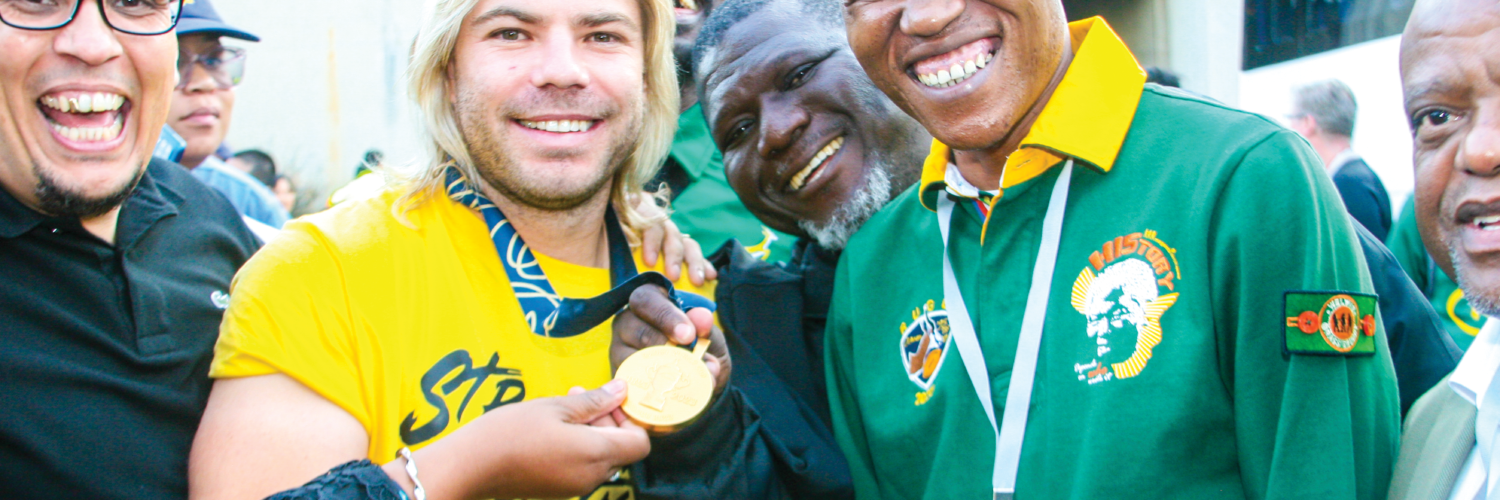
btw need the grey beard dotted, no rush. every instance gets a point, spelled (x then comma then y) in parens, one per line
(1480, 300)
(834, 234)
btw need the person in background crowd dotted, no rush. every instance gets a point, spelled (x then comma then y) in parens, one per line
(703, 203)
(369, 180)
(1323, 112)
(766, 70)
(115, 266)
(1181, 358)
(1162, 77)
(1448, 52)
(1460, 319)
(203, 105)
(286, 192)
(399, 330)
(257, 163)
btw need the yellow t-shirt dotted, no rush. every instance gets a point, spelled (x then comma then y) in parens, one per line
(414, 332)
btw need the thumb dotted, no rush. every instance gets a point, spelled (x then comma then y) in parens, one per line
(702, 319)
(589, 406)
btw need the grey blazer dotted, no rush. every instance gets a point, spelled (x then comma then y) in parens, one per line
(1436, 441)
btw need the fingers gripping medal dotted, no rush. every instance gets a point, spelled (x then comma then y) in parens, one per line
(668, 387)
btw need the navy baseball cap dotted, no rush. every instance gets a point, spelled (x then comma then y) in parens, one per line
(199, 16)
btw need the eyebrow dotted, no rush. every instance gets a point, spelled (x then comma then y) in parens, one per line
(498, 12)
(1431, 87)
(602, 18)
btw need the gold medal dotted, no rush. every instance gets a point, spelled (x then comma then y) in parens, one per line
(668, 387)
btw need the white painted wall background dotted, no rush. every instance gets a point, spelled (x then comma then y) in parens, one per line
(325, 84)
(1372, 71)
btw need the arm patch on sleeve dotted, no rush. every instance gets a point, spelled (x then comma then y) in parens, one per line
(1330, 323)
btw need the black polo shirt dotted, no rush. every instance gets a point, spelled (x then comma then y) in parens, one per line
(104, 349)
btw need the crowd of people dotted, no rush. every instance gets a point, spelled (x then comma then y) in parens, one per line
(1139, 292)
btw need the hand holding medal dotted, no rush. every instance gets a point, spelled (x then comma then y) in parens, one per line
(669, 386)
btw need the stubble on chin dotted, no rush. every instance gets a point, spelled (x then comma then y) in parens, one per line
(492, 152)
(56, 198)
(1482, 298)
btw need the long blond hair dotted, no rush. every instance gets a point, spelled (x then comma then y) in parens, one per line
(427, 75)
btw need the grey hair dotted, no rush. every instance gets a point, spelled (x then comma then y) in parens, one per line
(1330, 103)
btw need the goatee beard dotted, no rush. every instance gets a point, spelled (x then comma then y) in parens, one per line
(55, 200)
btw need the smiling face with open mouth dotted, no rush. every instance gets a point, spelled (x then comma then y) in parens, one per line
(805, 135)
(1453, 102)
(550, 96)
(81, 108)
(967, 70)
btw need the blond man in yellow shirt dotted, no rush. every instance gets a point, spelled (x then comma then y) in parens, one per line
(418, 326)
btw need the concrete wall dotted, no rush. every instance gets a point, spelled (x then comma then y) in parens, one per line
(325, 84)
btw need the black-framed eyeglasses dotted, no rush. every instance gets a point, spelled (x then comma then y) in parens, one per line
(135, 17)
(226, 65)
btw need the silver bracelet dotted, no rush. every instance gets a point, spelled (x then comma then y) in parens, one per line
(411, 472)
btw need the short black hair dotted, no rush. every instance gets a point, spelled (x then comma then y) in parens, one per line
(262, 167)
(829, 13)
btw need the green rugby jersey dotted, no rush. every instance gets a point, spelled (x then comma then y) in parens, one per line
(1202, 246)
(1461, 321)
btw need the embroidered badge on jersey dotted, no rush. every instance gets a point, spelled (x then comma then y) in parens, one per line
(1330, 323)
(924, 346)
(1123, 292)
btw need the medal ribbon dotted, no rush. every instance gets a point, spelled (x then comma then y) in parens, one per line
(547, 313)
(1012, 431)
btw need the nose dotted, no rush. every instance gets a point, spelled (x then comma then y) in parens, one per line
(560, 66)
(198, 78)
(781, 124)
(88, 38)
(1480, 153)
(925, 18)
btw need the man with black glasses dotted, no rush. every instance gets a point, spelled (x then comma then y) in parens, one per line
(114, 267)
(203, 104)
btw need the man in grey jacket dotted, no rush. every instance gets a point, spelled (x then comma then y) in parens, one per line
(1453, 102)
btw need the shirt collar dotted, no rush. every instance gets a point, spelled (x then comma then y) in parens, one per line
(148, 203)
(1086, 119)
(692, 147)
(1342, 159)
(1480, 362)
(15, 218)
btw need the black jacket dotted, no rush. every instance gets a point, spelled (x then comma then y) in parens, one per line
(768, 435)
(1421, 349)
(1365, 197)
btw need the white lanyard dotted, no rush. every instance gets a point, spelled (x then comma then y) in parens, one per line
(1018, 399)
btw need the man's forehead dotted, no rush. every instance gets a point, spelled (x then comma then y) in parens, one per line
(1438, 18)
(1445, 52)
(749, 48)
(587, 11)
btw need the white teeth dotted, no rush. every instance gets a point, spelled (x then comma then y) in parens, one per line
(956, 73)
(801, 178)
(91, 134)
(85, 103)
(559, 126)
(1488, 223)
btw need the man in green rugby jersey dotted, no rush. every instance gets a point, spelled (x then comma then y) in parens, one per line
(1158, 296)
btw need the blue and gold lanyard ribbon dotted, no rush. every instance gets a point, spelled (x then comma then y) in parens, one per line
(547, 313)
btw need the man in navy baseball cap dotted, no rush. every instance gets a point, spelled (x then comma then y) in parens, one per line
(202, 105)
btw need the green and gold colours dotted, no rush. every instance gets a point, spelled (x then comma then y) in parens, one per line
(1167, 367)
